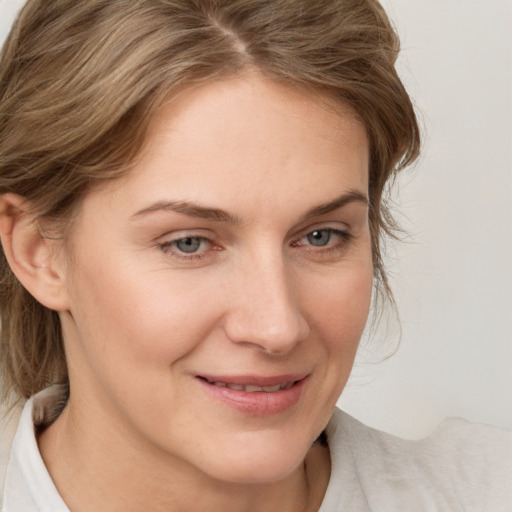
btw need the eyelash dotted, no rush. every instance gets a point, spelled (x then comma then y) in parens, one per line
(345, 237)
(168, 247)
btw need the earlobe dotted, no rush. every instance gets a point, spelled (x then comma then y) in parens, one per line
(32, 257)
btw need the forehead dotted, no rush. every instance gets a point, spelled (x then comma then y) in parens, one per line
(242, 105)
(245, 141)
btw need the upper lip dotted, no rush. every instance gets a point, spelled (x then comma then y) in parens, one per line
(254, 380)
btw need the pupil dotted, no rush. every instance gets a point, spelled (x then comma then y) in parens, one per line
(188, 245)
(319, 238)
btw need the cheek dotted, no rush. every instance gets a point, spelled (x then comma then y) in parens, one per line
(338, 310)
(140, 318)
(338, 306)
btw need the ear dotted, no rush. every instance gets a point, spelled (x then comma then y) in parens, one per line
(34, 259)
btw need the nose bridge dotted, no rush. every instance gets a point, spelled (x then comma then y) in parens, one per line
(265, 309)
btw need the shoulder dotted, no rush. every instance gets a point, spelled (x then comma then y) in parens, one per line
(24, 480)
(460, 466)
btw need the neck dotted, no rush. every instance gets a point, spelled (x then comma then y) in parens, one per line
(125, 477)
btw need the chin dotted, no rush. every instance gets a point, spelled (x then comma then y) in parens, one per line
(258, 459)
(262, 472)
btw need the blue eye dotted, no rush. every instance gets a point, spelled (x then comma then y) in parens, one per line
(320, 237)
(189, 249)
(322, 241)
(188, 245)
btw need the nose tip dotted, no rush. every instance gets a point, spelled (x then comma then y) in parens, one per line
(267, 315)
(277, 333)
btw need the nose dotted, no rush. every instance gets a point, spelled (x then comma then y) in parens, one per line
(264, 309)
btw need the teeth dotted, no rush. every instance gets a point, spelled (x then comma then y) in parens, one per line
(254, 389)
(270, 389)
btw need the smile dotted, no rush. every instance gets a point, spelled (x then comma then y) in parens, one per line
(249, 388)
(255, 395)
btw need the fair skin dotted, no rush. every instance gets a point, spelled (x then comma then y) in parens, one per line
(237, 251)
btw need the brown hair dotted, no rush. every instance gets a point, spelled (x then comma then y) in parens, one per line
(79, 82)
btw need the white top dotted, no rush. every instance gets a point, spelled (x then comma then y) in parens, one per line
(460, 467)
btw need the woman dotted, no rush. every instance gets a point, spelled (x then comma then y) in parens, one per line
(191, 223)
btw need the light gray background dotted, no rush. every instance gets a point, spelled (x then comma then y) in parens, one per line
(453, 276)
(453, 279)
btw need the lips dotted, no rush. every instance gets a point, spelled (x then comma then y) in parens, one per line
(256, 395)
(251, 388)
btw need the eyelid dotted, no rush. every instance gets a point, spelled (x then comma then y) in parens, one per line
(178, 234)
(165, 244)
(338, 227)
(181, 238)
(335, 247)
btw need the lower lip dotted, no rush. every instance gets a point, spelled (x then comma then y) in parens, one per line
(257, 403)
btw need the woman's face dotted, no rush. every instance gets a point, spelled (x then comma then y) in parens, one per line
(218, 292)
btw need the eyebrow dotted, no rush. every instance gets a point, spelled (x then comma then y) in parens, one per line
(218, 215)
(349, 197)
(191, 209)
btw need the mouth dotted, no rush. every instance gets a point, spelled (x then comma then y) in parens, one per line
(256, 395)
(250, 388)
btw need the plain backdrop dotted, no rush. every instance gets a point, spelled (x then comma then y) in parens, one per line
(452, 275)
